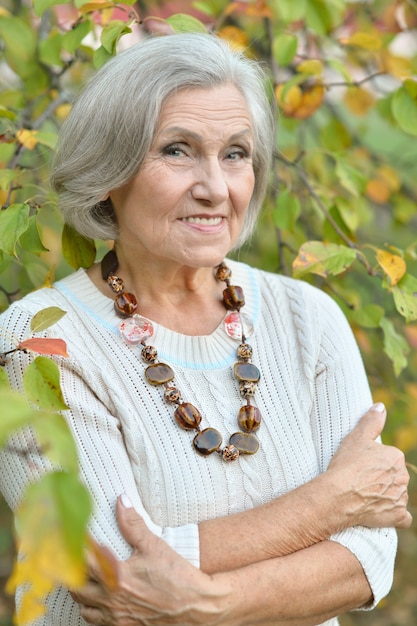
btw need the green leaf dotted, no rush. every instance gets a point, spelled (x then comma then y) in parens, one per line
(182, 23)
(30, 240)
(13, 222)
(4, 379)
(404, 109)
(330, 234)
(395, 346)
(205, 7)
(73, 38)
(323, 15)
(15, 413)
(55, 439)
(111, 34)
(287, 210)
(284, 47)
(45, 318)
(41, 382)
(405, 297)
(100, 57)
(78, 251)
(47, 138)
(50, 50)
(40, 6)
(290, 11)
(350, 178)
(7, 177)
(348, 212)
(369, 316)
(316, 257)
(19, 39)
(340, 67)
(334, 136)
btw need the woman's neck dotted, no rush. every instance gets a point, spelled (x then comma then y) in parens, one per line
(184, 299)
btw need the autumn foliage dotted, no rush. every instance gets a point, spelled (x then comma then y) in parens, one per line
(341, 208)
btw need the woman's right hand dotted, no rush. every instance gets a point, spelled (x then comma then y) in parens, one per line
(371, 478)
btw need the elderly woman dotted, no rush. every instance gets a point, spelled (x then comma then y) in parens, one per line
(212, 394)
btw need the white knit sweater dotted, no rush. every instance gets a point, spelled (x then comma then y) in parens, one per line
(312, 392)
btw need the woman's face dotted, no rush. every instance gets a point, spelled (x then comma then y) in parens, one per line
(188, 201)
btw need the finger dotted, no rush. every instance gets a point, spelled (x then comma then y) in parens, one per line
(372, 422)
(102, 565)
(89, 594)
(91, 615)
(131, 524)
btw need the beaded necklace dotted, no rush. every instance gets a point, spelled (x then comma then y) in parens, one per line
(136, 329)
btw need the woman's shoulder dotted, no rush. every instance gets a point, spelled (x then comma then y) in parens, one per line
(282, 286)
(20, 312)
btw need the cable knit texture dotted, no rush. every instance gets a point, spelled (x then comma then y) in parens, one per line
(312, 392)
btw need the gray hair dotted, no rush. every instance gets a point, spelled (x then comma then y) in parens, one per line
(112, 123)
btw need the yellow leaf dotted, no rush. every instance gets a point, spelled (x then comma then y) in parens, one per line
(96, 6)
(62, 111)
(292, 99)
(311, 100)
(311, 66)
(393, 265)
(27, 138)
(368, 41)
(236, 37)
(378, 190)
(399, 67)
(358, 100)
(406, 437)
(390, 176)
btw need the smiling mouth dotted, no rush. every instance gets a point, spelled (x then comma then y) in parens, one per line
(207, 221)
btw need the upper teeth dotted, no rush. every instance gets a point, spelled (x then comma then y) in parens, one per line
(211, 221)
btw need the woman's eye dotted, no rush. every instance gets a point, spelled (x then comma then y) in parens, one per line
(237, 154)
(174, 150)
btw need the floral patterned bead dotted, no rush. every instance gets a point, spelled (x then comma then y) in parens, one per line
(172, 395)
(223, 273)
(116, 283)
(230, 453)
(149, 354)
(244, 352)
(247, 388)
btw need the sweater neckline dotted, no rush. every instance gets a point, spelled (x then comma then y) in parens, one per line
(216, 348)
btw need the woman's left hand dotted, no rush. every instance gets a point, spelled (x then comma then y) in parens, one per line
(154, 586)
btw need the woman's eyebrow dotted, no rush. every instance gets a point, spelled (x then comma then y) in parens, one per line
(187, 133)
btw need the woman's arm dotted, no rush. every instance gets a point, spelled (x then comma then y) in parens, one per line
(157, 586)
(365, 484)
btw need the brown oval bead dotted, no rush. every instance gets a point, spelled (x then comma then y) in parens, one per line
(125, 304)
(249, 418)
(159, 373)
(247, 371)
(233, 298)
(207, 441)
(187, 416)
(246, 443)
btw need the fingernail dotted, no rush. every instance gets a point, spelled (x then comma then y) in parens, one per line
(379, 407)
(125, 500)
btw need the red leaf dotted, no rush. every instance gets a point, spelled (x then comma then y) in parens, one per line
(44, 346)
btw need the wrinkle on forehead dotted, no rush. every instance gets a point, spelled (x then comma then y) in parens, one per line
(229, 109)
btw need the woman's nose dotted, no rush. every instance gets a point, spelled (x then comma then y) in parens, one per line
(210, 184)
